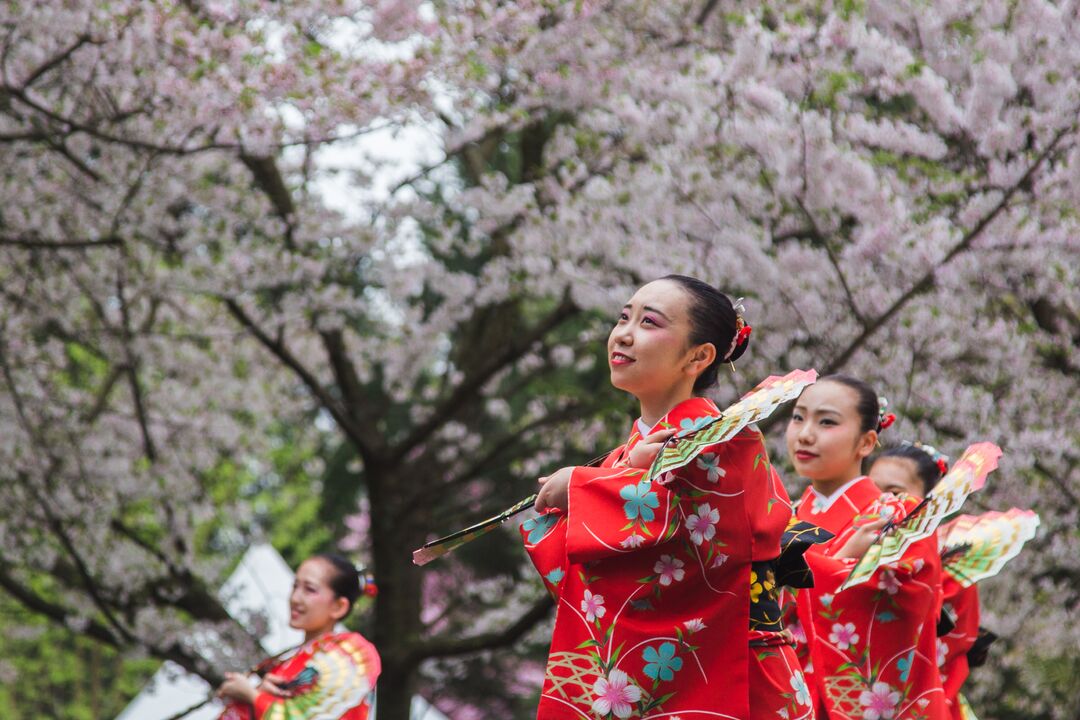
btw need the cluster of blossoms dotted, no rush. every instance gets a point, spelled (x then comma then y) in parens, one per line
(890, 185)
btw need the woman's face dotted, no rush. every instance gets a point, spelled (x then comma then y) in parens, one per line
(897, 475)
(649, 349)
(825, 440)
(313, 604)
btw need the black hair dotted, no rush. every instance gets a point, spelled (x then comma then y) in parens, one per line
(345, 581)
(713, 319)
(926, 466)
(867, 403)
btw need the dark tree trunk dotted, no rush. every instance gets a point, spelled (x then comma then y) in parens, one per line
(398, 627)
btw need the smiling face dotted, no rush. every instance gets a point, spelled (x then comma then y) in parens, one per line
(649, 350)
(314, 607)
(825, 439)
(897, 475)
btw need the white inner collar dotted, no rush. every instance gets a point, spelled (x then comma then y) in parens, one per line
(821, 503)
(644, 429)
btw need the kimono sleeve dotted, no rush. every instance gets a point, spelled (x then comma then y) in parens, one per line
(544, 536)
(545, 542)
(915, 572)
(613, 511)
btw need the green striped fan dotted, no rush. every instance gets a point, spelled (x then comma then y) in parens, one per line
(755, 406)
(965, 477)
(974, 548)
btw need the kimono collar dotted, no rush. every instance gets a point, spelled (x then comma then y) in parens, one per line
(691, 414)
(861, 490)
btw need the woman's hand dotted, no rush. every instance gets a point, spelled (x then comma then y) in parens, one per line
(271, 684)
(643, 454)
(236, 687)
(861, 540)
(554, 490)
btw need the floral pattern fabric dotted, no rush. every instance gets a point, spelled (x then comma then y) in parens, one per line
(653, 582)
(953, 647)
(870, 650)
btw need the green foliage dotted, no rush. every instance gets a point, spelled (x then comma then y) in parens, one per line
(48, 671)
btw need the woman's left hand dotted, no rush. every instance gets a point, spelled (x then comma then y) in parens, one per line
(237, 687)
(554, 490)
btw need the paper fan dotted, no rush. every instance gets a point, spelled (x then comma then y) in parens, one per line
(333, 682)
(975, 547)
(755, 406)
(442, 546)
(965, 477)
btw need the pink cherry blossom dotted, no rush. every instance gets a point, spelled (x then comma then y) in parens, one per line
(206, 242)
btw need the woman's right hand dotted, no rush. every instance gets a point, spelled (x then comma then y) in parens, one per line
(861, 540)
(271, 684)
(644, 453)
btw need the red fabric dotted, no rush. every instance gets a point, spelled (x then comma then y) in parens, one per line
(953, 648)
(361, 653)
(652, 582)
(873, 647)
(778, 688)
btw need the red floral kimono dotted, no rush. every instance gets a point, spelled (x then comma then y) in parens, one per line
(963, 603)
(654, 583)
(330, 677)
(872, 647)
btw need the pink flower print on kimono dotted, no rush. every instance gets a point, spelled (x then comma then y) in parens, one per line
(702, 524)
(653, 606)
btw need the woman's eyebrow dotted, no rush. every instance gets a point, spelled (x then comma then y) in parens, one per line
(648, 308)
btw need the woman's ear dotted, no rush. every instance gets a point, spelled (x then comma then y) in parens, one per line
(339, 609)
(867, 443)
(701, 357)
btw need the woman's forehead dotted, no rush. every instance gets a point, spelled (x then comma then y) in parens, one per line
(827, 395)
(664, 295)
(314, 569)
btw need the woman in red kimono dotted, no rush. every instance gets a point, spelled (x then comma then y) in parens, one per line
(915, 469)
(872, 647)
(666, 595)
(333, 673)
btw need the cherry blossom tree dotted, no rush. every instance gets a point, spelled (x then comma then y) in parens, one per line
(891, 185)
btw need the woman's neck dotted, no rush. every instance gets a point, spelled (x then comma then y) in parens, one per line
(310, 635)
(826, 487)
(656, 407)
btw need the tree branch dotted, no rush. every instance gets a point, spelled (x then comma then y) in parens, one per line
(35, 243)
(926, 282)
(268, 179)
(58, 59)
(472, 384)
(348, 382)
(277, 347)
(57, 613)
(706, 11)
(131, 368)
(450, 647)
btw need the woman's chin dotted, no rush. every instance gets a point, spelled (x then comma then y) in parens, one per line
(620, 381)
